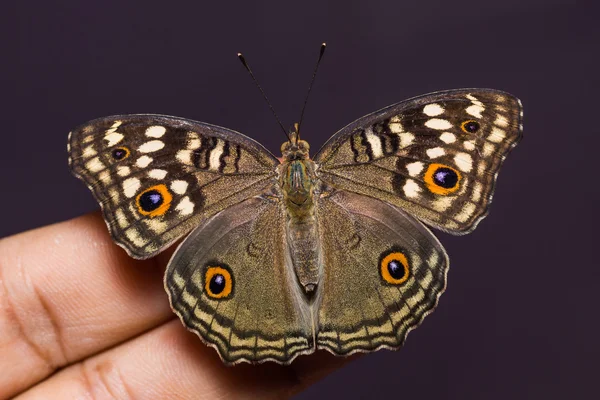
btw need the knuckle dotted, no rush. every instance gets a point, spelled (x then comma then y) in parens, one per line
(102, 380)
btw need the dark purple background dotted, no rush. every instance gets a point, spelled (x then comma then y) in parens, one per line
(520, 317)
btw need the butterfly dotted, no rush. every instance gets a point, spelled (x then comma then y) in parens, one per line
(285, 257)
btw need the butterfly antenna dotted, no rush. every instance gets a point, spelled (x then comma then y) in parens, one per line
(314, 75)
(243, 60)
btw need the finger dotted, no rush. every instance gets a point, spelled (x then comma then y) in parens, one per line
(67, 292)
(170, 362)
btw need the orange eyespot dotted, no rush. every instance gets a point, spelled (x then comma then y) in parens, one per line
(120, 153)
(154, 201)
(470, 126)
(218, 282)
(442, 179)
(394, 268)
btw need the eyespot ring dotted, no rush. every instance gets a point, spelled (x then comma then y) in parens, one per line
(470, 126)
(154, 201)
(442, 179)
(394, 267)
(218, 281)
(120, 153)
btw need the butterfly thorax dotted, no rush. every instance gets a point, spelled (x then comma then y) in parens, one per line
(298, 184)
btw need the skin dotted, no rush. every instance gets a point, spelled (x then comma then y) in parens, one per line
(79, 319)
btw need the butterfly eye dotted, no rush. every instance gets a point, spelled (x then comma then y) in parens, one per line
(442, 179)
(470, 126)
(394, 268)
(120, 153)
(218, 282)
(154, 201)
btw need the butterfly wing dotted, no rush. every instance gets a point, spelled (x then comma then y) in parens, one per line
(232, 283)
(383, 273)
(156, 177)
(436, 156)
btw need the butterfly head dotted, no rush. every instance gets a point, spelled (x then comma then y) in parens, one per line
(295, 148)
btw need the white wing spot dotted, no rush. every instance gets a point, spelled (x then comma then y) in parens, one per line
(94, 165)
(448, 137)
(113, 138)
(464, 161)
(411, 188)
(158, 174)
(89, 152)
(215, 155)
(415, 168)
(435, 152)
(501, 121)
(143, 161)
(179, 187)
(151, 146)
(104, 177)
(497, 135)
(116, 124)
(469, 145)
(395, 127)
(481, 167)
(488, 149)
(375, 143)
(131, 186)
(475, 110)
(433, 110)
(185, 156)
(193, 141)
(123, 171)
(156, 131)
(185, 206)
(474, 100)
(406, 139)
(477, 192)
(439, 124)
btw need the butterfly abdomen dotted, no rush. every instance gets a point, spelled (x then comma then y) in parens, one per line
(297, 183)
(304, 250)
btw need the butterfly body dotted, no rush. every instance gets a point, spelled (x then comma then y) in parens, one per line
(299, 185)
(286, 257)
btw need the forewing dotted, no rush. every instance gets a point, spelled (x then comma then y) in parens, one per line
(262, 315)
(156, 177)
(365, 305)
(436, 156)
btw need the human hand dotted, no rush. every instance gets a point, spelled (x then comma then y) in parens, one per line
(79, 318)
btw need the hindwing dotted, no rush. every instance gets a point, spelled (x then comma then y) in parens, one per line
(231, 282)
(383, 273)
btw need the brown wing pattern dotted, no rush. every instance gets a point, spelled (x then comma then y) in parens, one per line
(436, 156)
(156, 177)
(383, 273)
(232, 283)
